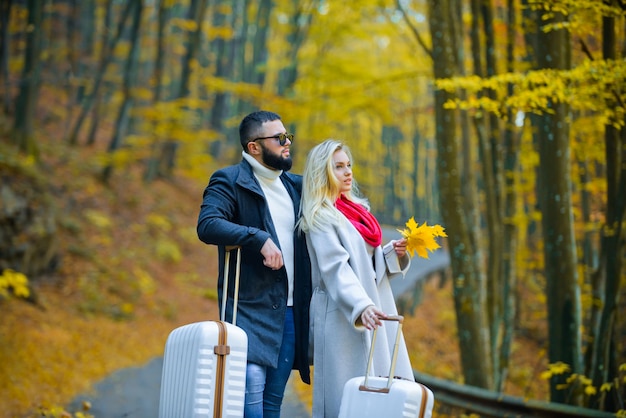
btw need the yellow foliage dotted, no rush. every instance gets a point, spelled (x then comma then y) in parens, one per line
(161, 222)
(146, 283)
(59, 412)
(98, 219)
(606, 387)
(167, 249)
(213, 32)
(421, 238)
(554, 369)
(16, 281)
(184, 24)
(546, 375)
(583, 88)
(56, 411)
(127, 308)
(142, 93)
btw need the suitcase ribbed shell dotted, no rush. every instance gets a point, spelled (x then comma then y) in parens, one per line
(188, 383)
(405, 399)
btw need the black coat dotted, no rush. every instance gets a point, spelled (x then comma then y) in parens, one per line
(234, 212)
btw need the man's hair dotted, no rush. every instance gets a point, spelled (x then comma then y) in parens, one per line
(250, 126)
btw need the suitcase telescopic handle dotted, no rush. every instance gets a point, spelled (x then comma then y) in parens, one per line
(394, 357)
(228, 250)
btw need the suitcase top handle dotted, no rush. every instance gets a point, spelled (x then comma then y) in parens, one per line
(394, 357)
(398, 318)
(228, 250)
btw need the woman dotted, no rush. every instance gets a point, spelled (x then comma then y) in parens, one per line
(350, 278)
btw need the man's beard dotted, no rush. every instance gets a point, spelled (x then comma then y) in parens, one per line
(277, 162)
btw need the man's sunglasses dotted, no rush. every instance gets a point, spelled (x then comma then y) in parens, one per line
(282, 138)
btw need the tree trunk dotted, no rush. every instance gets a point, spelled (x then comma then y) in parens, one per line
(601, 368)
(492, 176)
(223, 66)
(469, 282)
(509, 233)
(197, 11)
(129, 70)
(98, 99)
(299, 23)
(73, 22)
(88, 9)
(152, 163)
(159, 64)
(555, 198)
(241, 62)
(415, 195)
(23, 129)
(5, 13)
(105, 60)
(259, 50)
(395, 212)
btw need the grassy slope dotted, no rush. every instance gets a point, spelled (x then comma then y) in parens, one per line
(132, 270)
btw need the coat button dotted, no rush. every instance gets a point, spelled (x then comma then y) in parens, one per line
(274, 306)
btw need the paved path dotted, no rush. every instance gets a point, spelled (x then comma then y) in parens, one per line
(134, 392)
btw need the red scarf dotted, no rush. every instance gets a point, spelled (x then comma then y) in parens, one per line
(363, 221)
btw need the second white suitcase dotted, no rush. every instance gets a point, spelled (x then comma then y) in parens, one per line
(388, 397)
(404, 399)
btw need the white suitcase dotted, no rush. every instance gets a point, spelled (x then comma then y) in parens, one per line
(204, 366)
(388, 397)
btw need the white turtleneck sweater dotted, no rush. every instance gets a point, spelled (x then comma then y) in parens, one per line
(282, 212)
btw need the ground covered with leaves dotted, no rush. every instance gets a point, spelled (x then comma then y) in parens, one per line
(131, 269)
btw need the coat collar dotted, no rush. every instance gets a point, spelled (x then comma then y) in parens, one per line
(247, 180)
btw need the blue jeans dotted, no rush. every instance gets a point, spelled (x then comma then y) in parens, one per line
(265, 386)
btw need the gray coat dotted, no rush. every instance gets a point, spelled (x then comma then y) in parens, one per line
(345, 283)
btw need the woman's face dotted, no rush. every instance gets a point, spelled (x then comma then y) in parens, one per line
(342, 168)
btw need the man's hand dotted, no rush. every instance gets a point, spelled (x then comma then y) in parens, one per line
(273, 257)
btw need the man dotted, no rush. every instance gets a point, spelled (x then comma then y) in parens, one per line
(255, 205)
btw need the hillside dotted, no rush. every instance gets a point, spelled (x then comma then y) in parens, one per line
(132, 269)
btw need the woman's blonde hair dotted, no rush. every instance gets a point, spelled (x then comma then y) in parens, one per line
(320, 188)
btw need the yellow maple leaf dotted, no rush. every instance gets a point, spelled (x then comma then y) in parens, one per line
(421, 238)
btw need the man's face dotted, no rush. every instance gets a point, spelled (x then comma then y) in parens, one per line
(273, 154)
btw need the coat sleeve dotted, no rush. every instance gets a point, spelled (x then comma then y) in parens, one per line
(219, 212)
(339, 279)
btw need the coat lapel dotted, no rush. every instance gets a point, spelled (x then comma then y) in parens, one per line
(246, 180)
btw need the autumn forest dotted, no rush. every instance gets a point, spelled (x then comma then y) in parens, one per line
(501, 120)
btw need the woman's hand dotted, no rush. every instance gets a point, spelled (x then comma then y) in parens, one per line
(371, 317)
(400, 247)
